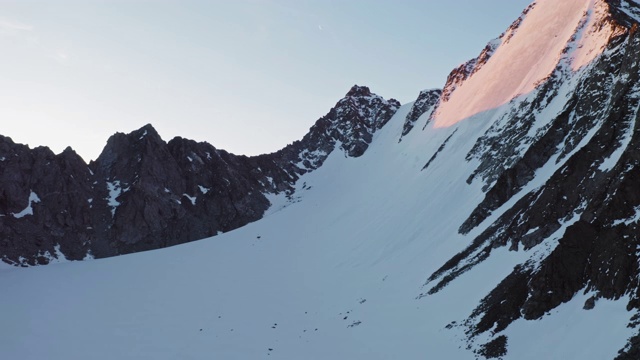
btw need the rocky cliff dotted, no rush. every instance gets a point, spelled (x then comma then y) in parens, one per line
(143, 193)
(563, 189)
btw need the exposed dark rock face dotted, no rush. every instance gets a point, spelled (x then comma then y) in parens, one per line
(624, 12)
(435, 155)
(143, 193)
(494, 349)
(586, 211)
(562, 190)
(29, 232)
(426, 100)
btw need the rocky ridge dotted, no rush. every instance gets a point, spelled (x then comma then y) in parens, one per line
(143, 193)
(580, 223)
(559, 188)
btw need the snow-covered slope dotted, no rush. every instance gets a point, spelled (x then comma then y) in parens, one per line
(143, 193)
(334, 276)
(528, 53)
(511, 232)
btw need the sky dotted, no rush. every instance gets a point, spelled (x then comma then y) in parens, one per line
(247, 76)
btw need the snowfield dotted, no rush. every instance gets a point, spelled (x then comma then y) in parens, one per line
(529, 55)
(336, 275)
(339, 270)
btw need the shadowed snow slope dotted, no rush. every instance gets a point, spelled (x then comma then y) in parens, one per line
(488, 237)
(334, 276)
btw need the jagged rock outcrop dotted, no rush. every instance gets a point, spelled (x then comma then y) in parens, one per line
(143, 193)
(580, 220)
(530, 180)
(426, 101)
(29, 231)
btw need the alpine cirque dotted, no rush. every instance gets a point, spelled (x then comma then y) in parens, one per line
(498, 217)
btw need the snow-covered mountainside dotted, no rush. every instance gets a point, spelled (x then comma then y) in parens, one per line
(495, 219)
(143, 193)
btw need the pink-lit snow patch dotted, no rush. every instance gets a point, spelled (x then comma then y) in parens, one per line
(595, 35)
(529, 56)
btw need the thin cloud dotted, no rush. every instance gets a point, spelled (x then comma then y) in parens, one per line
(29, 34)
(62, 56)
(10, 25)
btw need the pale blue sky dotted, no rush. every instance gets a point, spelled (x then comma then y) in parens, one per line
(248, 76)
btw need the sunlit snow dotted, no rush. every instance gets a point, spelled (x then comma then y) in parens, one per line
(529, 57)
(336, 269)
(335, 274)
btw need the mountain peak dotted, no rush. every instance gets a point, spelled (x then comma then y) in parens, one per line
(69, 151)
(524, 221)
(357, 90)
(550, 36)
(142, 143)
(147, 130)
